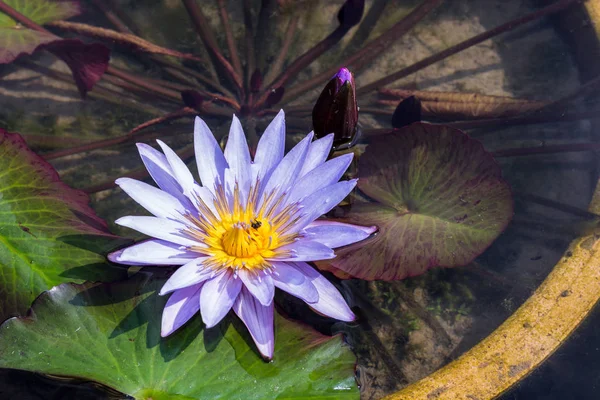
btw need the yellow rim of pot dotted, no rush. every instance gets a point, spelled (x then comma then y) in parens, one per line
(534, 331)
(593, 10)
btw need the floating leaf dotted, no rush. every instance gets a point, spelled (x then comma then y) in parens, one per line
(407, 112)
(192, 98)
(275, 96)
(40, 11)
(16, 39)
(439, 200)
(48, 233)
(110, 333)
(126, 39)
(454, 105)
(87, 62)
(15, 42)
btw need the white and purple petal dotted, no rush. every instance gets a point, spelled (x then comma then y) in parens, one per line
(209, 157)
(287, 171)
(153, 252)
(181, 306)
(337, 234)
(324, 175)
(322, 201)
(181, 172)
(259, 284)
(237, 156)
(305, 250)
(259, 321)
(270, 149)
(190, 274)
(330, 302)
(160, 228)
(157, 165)
(156, 201)
(317, 153)
(207, 197)
(217, 297)
(291, 280)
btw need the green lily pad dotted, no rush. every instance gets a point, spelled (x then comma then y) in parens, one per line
(48, 233)
(40, 11)
(87, 62)
(110, 333)
(438, 199)
(16, 39)
(14, 42)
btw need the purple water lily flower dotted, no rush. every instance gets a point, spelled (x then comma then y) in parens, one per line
(250, 227)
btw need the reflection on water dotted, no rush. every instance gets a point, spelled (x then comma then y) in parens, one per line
(408, 328)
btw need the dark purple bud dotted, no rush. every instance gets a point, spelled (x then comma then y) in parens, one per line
(351, 13)
(407, 112)
(192, 99)
(256, 81)
(275, 96)
(336, 111)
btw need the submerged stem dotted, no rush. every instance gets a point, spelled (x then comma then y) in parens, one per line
(558, 6)
(548, 149)
(143, 83)
(123, 38)
(264, 31)
(303, 61)
(203, 29)
(100, 144)
(112, 17)
(288, 38)
(233, 51)
(100, 92)
(566, 208)
(369, 51)
(249, 40)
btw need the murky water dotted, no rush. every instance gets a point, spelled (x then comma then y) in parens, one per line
(407, 329)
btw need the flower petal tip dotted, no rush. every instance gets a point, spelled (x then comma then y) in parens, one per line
(266, 351)
(351, 318)
(166, 332)
(121, 181)
(114, 256)
(123, 220)
(371, 229)
(209, 324)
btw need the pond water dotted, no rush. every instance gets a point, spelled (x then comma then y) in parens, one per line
(525, 91)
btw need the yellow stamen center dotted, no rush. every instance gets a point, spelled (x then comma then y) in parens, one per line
(242, 235)
(241, 242)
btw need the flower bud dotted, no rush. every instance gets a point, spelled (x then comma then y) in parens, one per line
(336, 111)
(407, 112)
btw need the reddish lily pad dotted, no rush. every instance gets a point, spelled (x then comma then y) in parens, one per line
(438, 199)
(48, 233)
(110, 333)
(87, 61)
